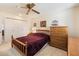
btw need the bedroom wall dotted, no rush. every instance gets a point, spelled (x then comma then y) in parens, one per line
(66, 17)
(64, 14)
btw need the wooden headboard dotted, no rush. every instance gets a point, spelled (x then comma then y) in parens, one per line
(43, 31)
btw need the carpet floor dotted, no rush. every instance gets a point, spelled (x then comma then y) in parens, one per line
(6, 50)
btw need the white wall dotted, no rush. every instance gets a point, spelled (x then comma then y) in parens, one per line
(66, 17)
(69, 17)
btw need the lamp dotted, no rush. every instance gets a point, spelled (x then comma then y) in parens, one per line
(54, 22)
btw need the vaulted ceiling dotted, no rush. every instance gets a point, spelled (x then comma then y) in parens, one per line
(44, 8)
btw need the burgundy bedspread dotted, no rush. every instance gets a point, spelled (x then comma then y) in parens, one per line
(35, 41)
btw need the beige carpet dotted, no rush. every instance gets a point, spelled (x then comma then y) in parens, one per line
(6, 50)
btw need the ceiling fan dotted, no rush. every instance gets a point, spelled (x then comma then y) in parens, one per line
(30, 6)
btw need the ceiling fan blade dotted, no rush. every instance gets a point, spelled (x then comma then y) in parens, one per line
(36, 11)
(28, 11)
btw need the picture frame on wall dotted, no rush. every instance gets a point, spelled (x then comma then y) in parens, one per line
(34, 24)
(42, 23)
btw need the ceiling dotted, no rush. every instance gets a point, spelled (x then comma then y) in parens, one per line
(44, 8)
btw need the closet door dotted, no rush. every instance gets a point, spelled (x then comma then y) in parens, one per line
(14, 27)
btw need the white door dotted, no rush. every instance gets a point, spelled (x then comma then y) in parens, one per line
(14, 27)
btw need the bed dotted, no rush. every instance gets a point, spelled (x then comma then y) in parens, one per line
(29, 45)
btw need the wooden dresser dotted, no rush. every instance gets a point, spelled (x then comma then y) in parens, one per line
(59, 37)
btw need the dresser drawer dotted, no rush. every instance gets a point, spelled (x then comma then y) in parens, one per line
(59, 37)
(59, 42)
(52, 32)
(63, 38)
(59, 45)
(57, 29)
